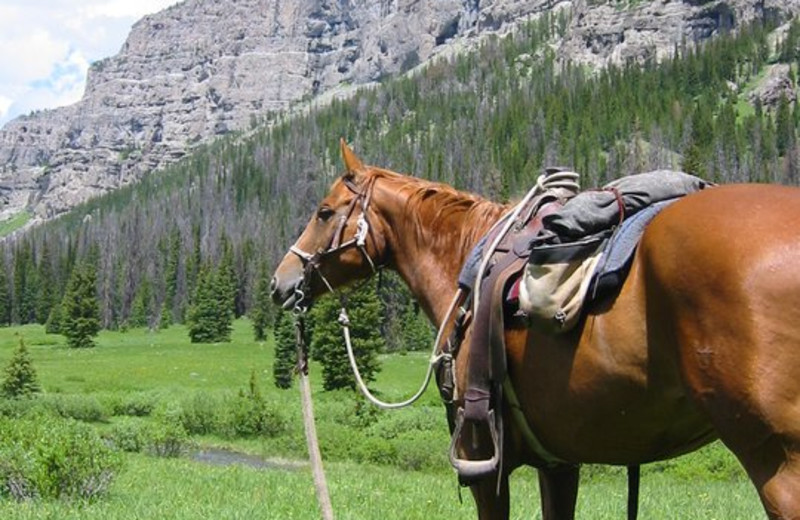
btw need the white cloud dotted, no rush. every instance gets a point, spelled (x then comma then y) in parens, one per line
(46, 47)
(125, 8)
(5, 103)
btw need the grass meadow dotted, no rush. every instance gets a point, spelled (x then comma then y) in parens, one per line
(379, 464)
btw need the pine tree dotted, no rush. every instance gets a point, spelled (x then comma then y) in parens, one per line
(25, 285)
(262, 312)
(46, 294)
(141, 309)
(20, 376)
(327, 343)
(285, 350)
(228, 281)
(417, 331)
(5, 297)
(784, 126)
(80, 311)
(210, 315)
(171, 280)
(693, 161)
(53, 325)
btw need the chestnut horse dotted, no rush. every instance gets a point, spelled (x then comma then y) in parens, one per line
(702, 342)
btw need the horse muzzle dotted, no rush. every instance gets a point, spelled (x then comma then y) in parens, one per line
(286, 293)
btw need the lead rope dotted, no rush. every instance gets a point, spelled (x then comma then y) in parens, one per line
(344, 321)
(320, 483)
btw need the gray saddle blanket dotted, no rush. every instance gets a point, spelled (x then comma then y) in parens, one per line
(613, 266)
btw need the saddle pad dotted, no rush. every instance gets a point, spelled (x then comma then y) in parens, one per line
(613, 266)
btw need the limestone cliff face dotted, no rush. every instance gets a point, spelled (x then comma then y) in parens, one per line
(203, 68)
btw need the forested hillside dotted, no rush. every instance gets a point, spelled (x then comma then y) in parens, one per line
(487, 122)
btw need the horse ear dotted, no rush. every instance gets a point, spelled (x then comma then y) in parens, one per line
(352, 163)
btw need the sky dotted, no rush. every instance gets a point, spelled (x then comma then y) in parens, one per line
(46, 47)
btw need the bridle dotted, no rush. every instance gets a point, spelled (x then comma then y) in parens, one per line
(312, 261)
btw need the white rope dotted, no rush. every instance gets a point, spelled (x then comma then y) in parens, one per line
(344, 320)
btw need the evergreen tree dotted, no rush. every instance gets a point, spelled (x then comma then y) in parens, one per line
(80, 311)
(784, 126)
(285, 350)
(262, 312)
(327, 342)
(5, 297)
(210, 315)
(20, 376)
(171, 280)
(693, 161)
(417, 331)
(165, 317)
(47, 294)
(25, 285)
(141, 309)
(228, 281)
(53, 325)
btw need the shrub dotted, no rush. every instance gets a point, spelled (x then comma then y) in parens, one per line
(50, 457)
(86, 408)
(421, 451)
(128, 435)
(199, 413)
(376, 451)
(421, 419)
(251, 414)
(249, 417)
(168, 439)
(137, 404)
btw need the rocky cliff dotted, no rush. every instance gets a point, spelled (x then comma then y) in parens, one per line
(204, 68)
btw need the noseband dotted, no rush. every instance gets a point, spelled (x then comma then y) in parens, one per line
(312, 261)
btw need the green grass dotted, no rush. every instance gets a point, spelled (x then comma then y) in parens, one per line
(14, 223)
(703, 485)
(141, 360)
(182, 489)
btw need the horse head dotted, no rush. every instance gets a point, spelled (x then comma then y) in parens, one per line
(342, 242)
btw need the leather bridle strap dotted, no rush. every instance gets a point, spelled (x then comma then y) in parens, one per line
(311, 261)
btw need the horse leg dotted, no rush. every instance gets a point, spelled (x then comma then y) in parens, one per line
(559, 492)
(491, 501)
(781, 493)
(775, 471)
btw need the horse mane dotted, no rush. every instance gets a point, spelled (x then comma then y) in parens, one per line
(433, 205)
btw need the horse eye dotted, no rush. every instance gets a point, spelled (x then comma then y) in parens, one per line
(325, 213)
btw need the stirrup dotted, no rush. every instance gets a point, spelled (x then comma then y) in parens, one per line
(472, 470)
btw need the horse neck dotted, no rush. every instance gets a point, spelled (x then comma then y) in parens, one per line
(430, 237)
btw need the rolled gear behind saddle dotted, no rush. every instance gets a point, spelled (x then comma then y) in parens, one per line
(565, 255)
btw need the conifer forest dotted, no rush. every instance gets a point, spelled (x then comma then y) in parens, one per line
(487, 121)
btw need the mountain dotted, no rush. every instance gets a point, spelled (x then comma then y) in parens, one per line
(205, 68)
(487, 120)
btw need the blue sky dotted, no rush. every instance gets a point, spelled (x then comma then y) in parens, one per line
(46, 47)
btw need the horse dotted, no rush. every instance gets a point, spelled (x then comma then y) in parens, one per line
(701, 342)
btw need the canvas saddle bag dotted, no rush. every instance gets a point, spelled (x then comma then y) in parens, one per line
(556, 281)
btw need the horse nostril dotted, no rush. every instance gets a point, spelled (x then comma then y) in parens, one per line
(273, 284)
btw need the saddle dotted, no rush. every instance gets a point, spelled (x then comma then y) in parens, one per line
(546, 261)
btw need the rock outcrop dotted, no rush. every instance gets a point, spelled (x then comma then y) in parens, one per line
(204, 68)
